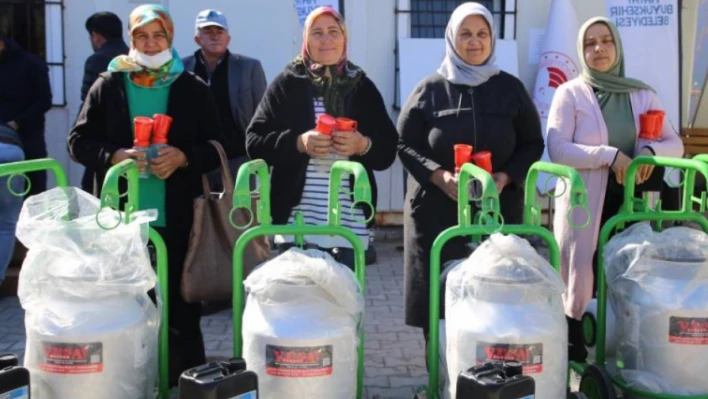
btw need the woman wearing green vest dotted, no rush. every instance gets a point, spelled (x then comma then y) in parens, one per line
(150, 80)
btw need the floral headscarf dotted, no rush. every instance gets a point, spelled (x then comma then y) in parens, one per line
(332, 82)
(140, 75)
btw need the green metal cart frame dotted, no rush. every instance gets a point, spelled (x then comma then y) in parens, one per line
(596, 383)
(487, 222)
(110, 198)
(242, 200)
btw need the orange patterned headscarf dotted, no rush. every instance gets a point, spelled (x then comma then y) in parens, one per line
(148, 13)
(140, 75)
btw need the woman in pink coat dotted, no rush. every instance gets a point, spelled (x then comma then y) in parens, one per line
(593, 126)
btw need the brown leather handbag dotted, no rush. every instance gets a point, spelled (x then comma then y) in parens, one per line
(208, 266)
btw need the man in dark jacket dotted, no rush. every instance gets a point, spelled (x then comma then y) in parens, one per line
(106, 34)
(237, 82)
(25, 96)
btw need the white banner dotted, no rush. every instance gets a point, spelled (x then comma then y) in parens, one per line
(304, 7)
(650, 36)
(558, 63)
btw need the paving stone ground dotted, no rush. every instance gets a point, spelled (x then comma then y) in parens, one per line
(394, 352)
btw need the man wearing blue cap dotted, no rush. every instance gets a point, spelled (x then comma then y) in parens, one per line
(237, 82)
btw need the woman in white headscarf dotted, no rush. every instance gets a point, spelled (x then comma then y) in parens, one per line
(467, 101)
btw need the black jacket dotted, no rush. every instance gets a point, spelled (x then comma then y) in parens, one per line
(104, 126)
(287, 111)
(98, 62)
(25, 93)
(497, 116)
(246, 86)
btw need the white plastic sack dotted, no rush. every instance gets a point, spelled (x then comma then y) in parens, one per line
(658, 282)
(91, 328)
(301, 326)
(505, 303)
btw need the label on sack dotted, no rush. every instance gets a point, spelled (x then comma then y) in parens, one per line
(248, 395)
(688, 330)
(529, 355)
(20, 393)
(63, 358)
(291, 361)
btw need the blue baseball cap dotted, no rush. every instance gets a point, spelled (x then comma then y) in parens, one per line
(211, 18)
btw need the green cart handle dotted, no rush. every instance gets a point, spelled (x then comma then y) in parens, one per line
(689, 167)
(110, 198)
(21, 168)
(488, 201)
(434, 305)
(110, 193)
(242, 193)
(163, 290)
(578, 194)
(362, 195)
(490, 206)
(628, 214)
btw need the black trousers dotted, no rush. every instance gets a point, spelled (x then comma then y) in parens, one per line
(186, 341)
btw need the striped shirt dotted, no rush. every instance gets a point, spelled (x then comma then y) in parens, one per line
(313, 204)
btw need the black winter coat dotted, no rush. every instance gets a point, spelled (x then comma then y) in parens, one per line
(97, 63)
(104, 126)
(25, 92)
(287, 111)
(496, 116)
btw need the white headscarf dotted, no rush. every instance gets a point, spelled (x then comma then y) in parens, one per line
(453, 68)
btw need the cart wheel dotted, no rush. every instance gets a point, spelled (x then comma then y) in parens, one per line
(421, 392)
(596, 384)
(589, 329)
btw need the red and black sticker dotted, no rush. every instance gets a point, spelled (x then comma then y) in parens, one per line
(289, 361)
(688, 330)
(63, 358)
(529, 355)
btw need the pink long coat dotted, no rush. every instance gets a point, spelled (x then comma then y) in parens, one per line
(577, 137)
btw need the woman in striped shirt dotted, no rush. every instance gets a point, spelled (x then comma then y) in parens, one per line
(320, 80)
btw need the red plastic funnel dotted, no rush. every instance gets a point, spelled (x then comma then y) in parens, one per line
(483, 159)
(346, 125)
(659, 129)
(161, 128)
(463, 155)
(647, 125)
(325, 124)
(143, 130)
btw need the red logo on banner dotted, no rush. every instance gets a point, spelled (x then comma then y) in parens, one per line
(554, 69)
(556, 77)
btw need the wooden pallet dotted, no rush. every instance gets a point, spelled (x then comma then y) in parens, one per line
(695, 141)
